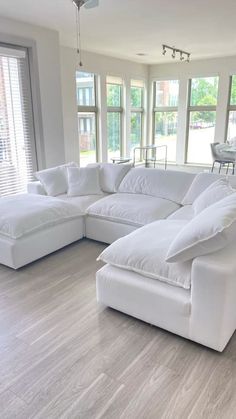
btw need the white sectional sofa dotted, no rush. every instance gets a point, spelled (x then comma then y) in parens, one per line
(140, 211)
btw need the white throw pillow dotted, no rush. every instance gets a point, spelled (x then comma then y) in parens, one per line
(111, 176)
(214, 193)
(211, 230)
(54, 180)
(83, 181)
(199, 184)
(143, 251)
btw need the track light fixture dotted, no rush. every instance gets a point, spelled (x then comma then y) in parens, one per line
(183, 55)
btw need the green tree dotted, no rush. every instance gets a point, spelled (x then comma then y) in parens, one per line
(204, 93)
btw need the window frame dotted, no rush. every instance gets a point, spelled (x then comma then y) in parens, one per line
(30, 127)
(140, 110)
(163, 109)
(117, 109)
(194, 108)
(230, 108)
(91, 109)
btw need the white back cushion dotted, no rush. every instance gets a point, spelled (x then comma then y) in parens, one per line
(211, 230)
(200, 183)
(215, 192)
(167, 184)
(144, 250)
(54, 180)
(111, 176)
(83, 181)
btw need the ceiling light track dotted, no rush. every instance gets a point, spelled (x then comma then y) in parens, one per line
(183, 55)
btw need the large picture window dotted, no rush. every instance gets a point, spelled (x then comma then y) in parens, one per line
(201, 119)
(231, 132)
(137, 113)
(87, 117)
(114, 116)
(17, 143)
(166, 97)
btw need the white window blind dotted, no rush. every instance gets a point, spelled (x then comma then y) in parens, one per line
(17, 143)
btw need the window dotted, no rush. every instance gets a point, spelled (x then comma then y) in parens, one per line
(17, 143)
(114, 116)
(231, 134)
(87, 117)
(201, 119)
(166, 96)
(137, 113)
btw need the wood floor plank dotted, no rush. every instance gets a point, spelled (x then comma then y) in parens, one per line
(64, 356)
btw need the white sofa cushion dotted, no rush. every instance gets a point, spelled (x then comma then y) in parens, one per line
(132, 209)
(83, 181)
(183, 213)
(144, 251)
(81, 202)
(25, 213)
(199, 184)
(36, 187)
(216, 191)
(54, 180)
(111, 176)
(171, 185)
(211, 230)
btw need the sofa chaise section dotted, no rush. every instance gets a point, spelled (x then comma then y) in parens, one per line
(32, 226)
(205, 312)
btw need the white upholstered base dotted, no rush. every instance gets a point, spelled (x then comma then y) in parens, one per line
(104, 230)
(19, 252)
(147, 299)
(205, 314)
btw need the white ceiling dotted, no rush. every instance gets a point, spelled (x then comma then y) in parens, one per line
(123, 28)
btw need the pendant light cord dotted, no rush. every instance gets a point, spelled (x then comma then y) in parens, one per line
(78, 36)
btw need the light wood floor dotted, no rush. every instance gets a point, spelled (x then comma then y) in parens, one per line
(63, 356)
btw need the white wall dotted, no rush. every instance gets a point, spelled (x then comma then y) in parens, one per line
(54, 91)
(102, 66)
(222, 67)
(47, 99)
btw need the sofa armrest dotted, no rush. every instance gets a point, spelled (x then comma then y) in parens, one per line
(36, 188)
(213, 294)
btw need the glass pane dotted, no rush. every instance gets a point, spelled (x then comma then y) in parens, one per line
(87, 137)
(232, 126)
(113, 95)
(167, 93)
(136, 129)
(204, 91)
(166, 132)
(233, 91)
(113, 134)
(201, 135)
(136, 97)
(85, 88)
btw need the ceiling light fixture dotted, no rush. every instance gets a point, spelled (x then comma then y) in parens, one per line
(183, 55)
(88, 4)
